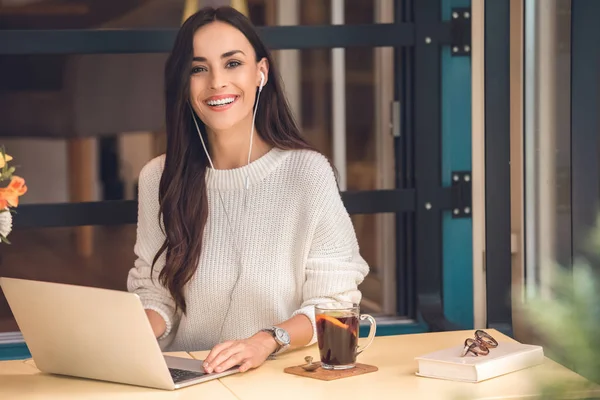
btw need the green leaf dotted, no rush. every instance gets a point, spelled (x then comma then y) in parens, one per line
(569, 321)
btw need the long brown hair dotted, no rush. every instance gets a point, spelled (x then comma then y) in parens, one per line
(182, 191)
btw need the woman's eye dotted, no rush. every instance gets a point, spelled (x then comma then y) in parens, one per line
(233, 64)
(195, 70)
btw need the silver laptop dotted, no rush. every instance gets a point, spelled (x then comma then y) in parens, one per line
(96, 334)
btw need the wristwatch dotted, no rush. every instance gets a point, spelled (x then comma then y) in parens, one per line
(281, 336)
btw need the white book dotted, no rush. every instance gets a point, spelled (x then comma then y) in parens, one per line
(506, 358)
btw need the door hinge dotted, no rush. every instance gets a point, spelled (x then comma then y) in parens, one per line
(461, 194)
(483, 262)
(460, 32)
(395, 124)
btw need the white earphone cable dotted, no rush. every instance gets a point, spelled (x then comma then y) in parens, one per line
(252, 128)
(212, 166)
(222, 202)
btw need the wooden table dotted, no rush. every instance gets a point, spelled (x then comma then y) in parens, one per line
(393, 355)
(22, 380)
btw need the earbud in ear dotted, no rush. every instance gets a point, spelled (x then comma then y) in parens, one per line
(262, 80)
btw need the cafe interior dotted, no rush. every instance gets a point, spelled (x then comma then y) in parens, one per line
(465, 136)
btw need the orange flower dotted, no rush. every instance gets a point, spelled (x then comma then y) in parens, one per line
(9, 196)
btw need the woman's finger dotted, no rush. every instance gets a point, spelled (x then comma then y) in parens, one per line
(235, 359)
(209, 360)
(246, 365)
(226, 354)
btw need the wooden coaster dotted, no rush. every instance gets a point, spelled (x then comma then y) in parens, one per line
(330, 375)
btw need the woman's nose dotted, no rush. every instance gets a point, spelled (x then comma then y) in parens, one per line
(217, 80)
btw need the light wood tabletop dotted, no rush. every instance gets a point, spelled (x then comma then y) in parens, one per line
(393, 355)
(20, 379)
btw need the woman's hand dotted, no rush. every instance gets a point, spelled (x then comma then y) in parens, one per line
(247, 353)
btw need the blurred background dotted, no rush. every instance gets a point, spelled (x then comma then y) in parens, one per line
(80, 127)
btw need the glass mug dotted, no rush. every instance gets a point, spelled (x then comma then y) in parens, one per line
(337, 334)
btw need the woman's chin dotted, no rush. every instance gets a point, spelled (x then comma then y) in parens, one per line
(216, 128)
(221, 126)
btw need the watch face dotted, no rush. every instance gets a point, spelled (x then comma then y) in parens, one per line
(282, 335)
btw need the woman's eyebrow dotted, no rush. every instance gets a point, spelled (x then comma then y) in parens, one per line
(224, 55)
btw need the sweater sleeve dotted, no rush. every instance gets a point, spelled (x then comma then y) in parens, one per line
(149, 239)
(334, 267)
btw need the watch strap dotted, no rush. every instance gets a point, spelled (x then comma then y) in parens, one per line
(280, 346)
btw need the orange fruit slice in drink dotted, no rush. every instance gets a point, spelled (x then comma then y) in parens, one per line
(332, 320)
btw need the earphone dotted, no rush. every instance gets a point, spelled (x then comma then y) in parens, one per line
(260, 87)
(262, 81)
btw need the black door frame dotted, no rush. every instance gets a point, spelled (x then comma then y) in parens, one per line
(498, 258)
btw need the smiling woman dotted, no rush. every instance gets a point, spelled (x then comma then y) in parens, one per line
(241, 227)
(221, 81)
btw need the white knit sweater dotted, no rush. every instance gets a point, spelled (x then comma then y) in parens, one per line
(297, 242)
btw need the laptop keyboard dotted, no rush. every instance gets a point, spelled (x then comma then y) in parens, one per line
(180, 375)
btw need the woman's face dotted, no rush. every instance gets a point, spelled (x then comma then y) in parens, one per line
(224, 76)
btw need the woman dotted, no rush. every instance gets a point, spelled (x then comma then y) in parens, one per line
(241, 228)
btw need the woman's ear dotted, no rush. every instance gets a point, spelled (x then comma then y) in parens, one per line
(263, 66)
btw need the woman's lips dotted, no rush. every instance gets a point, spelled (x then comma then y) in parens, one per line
(222, 102)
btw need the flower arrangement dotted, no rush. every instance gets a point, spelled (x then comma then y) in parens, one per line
(9, 194)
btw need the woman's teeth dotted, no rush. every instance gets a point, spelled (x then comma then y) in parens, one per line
(221, 102)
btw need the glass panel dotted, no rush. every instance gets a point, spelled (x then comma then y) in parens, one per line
(547, 138)
(117, 99)
(369, 155)
(47, 254)
(109, 165)
(82, 14)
